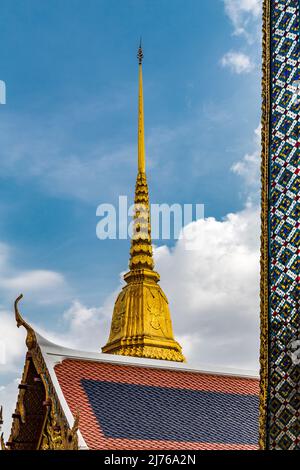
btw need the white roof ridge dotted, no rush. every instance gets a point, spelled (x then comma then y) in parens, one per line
(57, 353)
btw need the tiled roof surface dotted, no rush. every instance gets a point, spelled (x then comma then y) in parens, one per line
(131, 407)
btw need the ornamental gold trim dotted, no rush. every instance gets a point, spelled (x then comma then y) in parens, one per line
(264, 241)
(55, 437)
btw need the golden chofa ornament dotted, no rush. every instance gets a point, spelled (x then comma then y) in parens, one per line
(141, 323)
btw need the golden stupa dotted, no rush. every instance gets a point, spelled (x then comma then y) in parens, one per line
(141, 322)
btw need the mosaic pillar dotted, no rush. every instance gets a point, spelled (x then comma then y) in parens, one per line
(280, 320)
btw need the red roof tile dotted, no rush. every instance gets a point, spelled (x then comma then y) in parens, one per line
(76, 376)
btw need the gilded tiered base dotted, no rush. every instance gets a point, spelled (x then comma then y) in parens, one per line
(149, 352)
(141, 323)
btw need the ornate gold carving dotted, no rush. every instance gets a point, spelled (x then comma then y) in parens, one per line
(119, 313)
(68, 437)
(20, 408)
(264, 297)
(141, 322)
(57, 436)
(155, 310)
(3, 447)
(20, 412)
(165, 354)
(15, 429)
(141, 246)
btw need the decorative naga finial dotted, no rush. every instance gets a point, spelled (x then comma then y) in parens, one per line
(31, 338)
(140, 54)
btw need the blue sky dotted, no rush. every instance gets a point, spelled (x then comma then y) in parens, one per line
(68, 131)
(71, 74)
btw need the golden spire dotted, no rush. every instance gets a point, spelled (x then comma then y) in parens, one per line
(141, 322)
(141, 134)
(141, 246)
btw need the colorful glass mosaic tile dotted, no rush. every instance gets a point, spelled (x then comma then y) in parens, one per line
(284, 196)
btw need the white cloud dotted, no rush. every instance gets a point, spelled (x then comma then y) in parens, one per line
(88, 327)
(12, 345)
(213, 289)
(8, 394)
(245, 16)
(249, 167)
(238, 62)
(43, 284)
(33, 280)
(40, 282)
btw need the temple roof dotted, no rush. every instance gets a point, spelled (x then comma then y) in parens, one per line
(133, 403)
(72, 399)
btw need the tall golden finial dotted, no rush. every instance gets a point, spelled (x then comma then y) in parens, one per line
(141, 133)
(141, 323)
(141, 245)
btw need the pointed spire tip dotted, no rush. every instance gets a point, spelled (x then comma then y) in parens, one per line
(140, 54)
